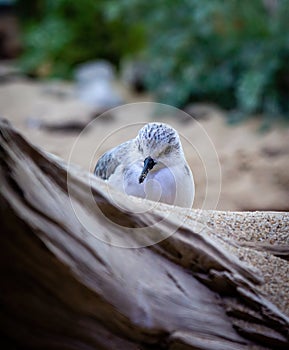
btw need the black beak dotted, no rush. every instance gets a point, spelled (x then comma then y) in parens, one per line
(149, 163)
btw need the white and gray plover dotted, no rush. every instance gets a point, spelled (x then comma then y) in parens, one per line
(151, 166)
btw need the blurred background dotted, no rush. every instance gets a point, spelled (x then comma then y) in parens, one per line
(226, 64)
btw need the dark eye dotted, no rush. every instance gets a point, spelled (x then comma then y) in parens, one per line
(168, 150)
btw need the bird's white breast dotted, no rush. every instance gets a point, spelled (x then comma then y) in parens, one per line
(169, 185)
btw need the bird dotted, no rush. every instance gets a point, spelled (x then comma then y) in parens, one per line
(151, 166)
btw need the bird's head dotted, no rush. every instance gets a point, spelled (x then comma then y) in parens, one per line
(159, 145)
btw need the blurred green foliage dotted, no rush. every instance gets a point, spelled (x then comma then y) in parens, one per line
(58, 34)
(234, 53)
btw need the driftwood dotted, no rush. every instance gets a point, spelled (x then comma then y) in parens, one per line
(83, 274)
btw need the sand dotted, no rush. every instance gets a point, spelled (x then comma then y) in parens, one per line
(235, 167)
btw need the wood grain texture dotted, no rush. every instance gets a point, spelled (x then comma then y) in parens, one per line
(63, 286)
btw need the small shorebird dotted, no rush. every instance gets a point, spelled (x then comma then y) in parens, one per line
(151, 166)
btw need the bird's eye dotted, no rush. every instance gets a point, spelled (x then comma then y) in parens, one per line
(168, 150)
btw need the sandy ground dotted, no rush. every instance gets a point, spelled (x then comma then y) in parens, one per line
(235, 167)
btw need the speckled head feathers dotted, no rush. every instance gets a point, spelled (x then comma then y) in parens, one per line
(157, 140)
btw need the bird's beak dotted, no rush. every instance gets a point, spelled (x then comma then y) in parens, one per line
(149, 163)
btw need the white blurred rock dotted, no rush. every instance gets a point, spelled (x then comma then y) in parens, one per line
(95, 85)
